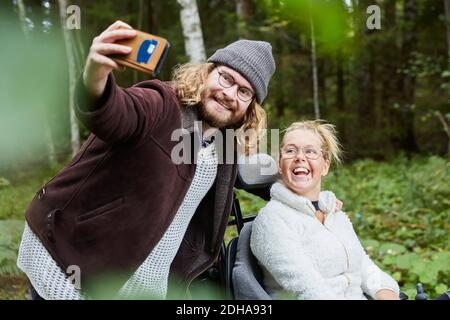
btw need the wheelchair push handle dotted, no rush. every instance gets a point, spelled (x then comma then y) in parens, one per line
(421, 295)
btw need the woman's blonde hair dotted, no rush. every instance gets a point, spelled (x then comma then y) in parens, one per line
(189, 81)
(327, 132)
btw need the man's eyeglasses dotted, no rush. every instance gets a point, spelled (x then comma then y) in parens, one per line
(310, 152)
(227, 81)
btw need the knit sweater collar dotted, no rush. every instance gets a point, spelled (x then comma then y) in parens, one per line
(327, 200)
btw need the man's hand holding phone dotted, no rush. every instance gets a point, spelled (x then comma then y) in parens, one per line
(119, 46)
(99, 63)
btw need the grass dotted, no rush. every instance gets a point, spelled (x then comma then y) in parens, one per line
(15, 195)
(17, 192)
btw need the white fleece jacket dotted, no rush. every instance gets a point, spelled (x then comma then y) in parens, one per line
(303, 258)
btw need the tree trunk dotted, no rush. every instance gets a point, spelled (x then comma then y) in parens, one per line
(340, 82)
(154, 16)
(192, 31)
(447, 23)
(389, 53)
(244, 10)
(142, 13)
(322, 84)
(446, 127)
(278, 95)
(363, 88)
(408, 81)
(22, 16)
(314, 68)
(70, 49)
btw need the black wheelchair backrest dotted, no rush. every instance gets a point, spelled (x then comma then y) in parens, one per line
(245, 273)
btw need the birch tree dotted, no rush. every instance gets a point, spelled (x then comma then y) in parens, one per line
(192, 31)
(22, 16)
(73, 73)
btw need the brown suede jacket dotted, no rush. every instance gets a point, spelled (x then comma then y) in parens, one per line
(109, 207)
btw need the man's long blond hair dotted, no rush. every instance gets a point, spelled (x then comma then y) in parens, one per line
(189, 81)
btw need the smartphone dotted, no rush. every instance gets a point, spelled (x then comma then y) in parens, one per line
(147, 55)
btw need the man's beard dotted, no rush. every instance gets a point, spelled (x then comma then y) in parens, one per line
(213, 120)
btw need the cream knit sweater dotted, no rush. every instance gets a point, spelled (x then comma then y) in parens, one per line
(305, 259)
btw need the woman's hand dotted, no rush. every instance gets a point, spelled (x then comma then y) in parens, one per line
(339, 205)
(98, 64)
(386, 294)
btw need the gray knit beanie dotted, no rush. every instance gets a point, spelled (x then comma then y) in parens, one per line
(252, 59)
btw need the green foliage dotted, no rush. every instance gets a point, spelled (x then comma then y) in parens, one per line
(4, 182)
(329, 19)
(404, 198)
(423, 66)
(105, 287)
(408, 268)
(400, 210)
(10, 234)
(445, 75)
(16, 193)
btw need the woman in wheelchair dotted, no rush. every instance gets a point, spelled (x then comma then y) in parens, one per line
(307, 249)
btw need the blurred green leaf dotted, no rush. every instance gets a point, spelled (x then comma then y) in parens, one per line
(408, 260)
(441, 288)
(392, 248)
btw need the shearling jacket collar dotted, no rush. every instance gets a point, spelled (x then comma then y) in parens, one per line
(327, 200)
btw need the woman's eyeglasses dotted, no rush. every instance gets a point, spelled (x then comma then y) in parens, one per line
(310, 152)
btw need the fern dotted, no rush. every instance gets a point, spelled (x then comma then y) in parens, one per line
(10, 234)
